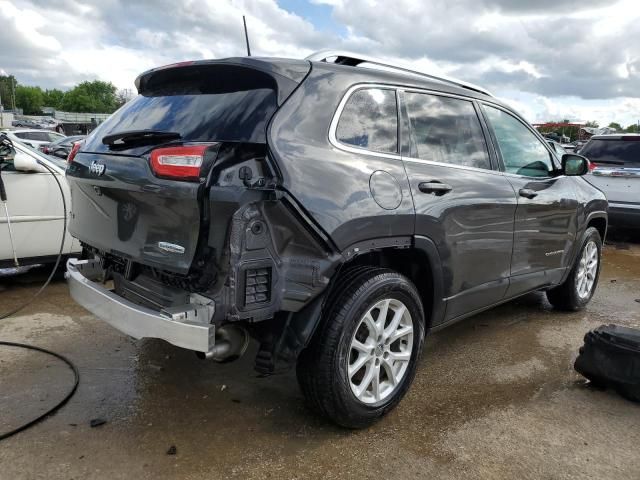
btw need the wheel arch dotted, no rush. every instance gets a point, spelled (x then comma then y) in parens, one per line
(595, 219)
(598, 220)
(416, 258)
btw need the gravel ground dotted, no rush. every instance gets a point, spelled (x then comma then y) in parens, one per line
(495, 396)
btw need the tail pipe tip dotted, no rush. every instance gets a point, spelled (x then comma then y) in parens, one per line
(231, 343)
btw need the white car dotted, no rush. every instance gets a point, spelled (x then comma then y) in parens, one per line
(35, 209)
(32, 137)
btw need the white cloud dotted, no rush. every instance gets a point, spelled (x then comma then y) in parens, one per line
(549, 57)
(31, 23)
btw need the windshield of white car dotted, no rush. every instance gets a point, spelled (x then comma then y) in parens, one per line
(58, 162)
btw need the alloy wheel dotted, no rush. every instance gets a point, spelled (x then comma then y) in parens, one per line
(587, 270)
(380, 351)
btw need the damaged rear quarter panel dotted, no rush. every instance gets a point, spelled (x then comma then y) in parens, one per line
(266, 241)
(267, 257)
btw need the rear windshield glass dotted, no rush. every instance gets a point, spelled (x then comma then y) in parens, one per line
(198, 116)
(621, 153)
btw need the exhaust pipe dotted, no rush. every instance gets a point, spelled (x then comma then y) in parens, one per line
(231, 343)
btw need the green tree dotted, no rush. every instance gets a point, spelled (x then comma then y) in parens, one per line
(633, 128)
(29, 99)
(616, 126)
(592, 124)
(7, 84)
(53, 98)
(94, 97)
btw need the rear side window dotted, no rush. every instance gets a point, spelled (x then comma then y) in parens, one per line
(446, 130)
(369, 120)
(615, 153)
(222, 104)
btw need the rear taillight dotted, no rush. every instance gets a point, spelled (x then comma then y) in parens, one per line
(181, 163)
(592, 166)
(74, 151)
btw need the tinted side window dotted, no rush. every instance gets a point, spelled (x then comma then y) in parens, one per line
(370, 120)
(522, 152)
(23, 135)
(446, 130)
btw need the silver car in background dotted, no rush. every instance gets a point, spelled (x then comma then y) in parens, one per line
(615, 170)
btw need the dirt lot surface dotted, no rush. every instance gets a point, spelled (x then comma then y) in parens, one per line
(495, 396)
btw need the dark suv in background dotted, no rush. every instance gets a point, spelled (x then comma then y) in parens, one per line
(335, 213)
(615, 169)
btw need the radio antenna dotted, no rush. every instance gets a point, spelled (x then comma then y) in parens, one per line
(246, 36)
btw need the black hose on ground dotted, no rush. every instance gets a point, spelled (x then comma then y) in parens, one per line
(76, 381)
(27, 303)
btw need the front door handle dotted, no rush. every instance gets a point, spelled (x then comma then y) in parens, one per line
(438, 188)
(528, 193)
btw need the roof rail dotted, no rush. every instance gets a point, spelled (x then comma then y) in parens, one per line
(354, 59)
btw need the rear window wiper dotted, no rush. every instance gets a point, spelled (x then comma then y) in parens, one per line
(139, 137)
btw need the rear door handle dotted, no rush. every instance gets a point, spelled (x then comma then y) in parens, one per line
(528, 193)
(438, 188)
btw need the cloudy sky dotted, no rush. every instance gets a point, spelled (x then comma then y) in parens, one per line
(552, 59)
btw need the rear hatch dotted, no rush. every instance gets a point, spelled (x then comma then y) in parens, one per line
(139, 182)
(616, 166)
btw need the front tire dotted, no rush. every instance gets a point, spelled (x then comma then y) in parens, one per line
(580, 285)
(362, 360)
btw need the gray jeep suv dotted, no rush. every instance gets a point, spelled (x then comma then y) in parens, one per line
(335, 209)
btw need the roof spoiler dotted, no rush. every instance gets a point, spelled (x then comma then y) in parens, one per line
(285, 73)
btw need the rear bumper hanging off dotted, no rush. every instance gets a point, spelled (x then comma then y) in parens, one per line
(187, 326)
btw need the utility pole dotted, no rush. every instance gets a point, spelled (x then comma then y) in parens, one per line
(13, 90)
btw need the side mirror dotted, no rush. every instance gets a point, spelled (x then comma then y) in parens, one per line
(24, 162)
(574, 165)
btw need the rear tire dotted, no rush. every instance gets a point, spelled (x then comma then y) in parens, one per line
(580, 285)
(362, 359)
